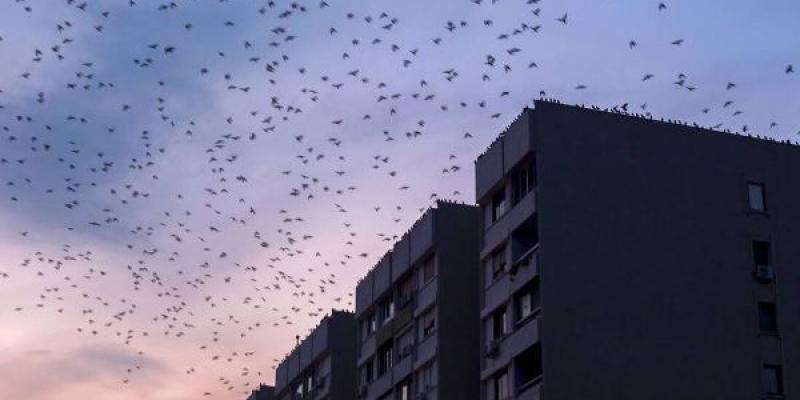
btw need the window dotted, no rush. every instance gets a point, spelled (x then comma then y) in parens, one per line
(385, 358)
(368, 325)
(499, 323)
(524, 180)
(428, 269)
(426, 378)
(309, 382)
(761, 253)
(757, 197)
(427, 323)
(404, 391)
(500, 386)
(772, 379)
(497, 262)
(528, 366)
(367, 372)
(405, 344)
(499, 204)
(298, 391)
(405, 290)
(767, 317)
(526, 301)
(386, 309)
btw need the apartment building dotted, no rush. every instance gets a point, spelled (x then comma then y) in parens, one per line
(264, 392)
(417, 312)
(322, 366)
(628, 258)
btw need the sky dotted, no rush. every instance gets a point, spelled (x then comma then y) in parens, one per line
(187, 186)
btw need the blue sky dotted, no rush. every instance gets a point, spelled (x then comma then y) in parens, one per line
(174, 140)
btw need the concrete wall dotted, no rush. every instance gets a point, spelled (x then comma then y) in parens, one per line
(457, 232)
(646, 268)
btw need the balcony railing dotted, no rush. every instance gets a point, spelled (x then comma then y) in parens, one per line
(525, 260)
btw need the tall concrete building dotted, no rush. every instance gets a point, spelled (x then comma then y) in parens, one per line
(323, 365)
(264, 392)
(418, 312)
(628, 258)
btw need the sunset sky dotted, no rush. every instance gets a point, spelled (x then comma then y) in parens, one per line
(184, 189)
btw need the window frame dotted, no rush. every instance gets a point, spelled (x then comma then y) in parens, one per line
(762, 197)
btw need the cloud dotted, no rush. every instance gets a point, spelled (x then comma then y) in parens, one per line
(39, 374)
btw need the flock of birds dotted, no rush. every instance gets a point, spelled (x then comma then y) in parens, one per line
(224, 213)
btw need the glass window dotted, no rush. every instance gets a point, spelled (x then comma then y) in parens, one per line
(497, 262)
(368, 325)
(404, 391)
(524, 180)
(767, 317)
(761, 253)
(501, 387)
(757, 197)
(427, 323)
(368, 372)
(385, 358)
(499, 204)
(773, 379)
(499, 323)
(405, 344)
(528, 366)
(386, 308)
(526, 301)
(426, 378)
(406, 290)
(428, 269)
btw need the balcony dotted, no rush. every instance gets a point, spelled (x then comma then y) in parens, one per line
(525, 268)
(512, 345)
(426, 296)
(501, 229)
(531, 391)
(426, 351)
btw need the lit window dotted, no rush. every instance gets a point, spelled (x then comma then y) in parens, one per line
(757, 197)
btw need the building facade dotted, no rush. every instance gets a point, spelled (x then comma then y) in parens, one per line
(417, 312)
(323, 365)
(628, 258)
(264, 392)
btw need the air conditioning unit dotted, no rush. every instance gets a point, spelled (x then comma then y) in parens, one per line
(362, 391)
(321, 382)
(492, 349)
(764, 274)
(422, 395)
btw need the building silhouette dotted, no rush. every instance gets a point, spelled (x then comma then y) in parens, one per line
(611, 257)
(323, 365)
(629, 258)
(417, 312)
(263, 392)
